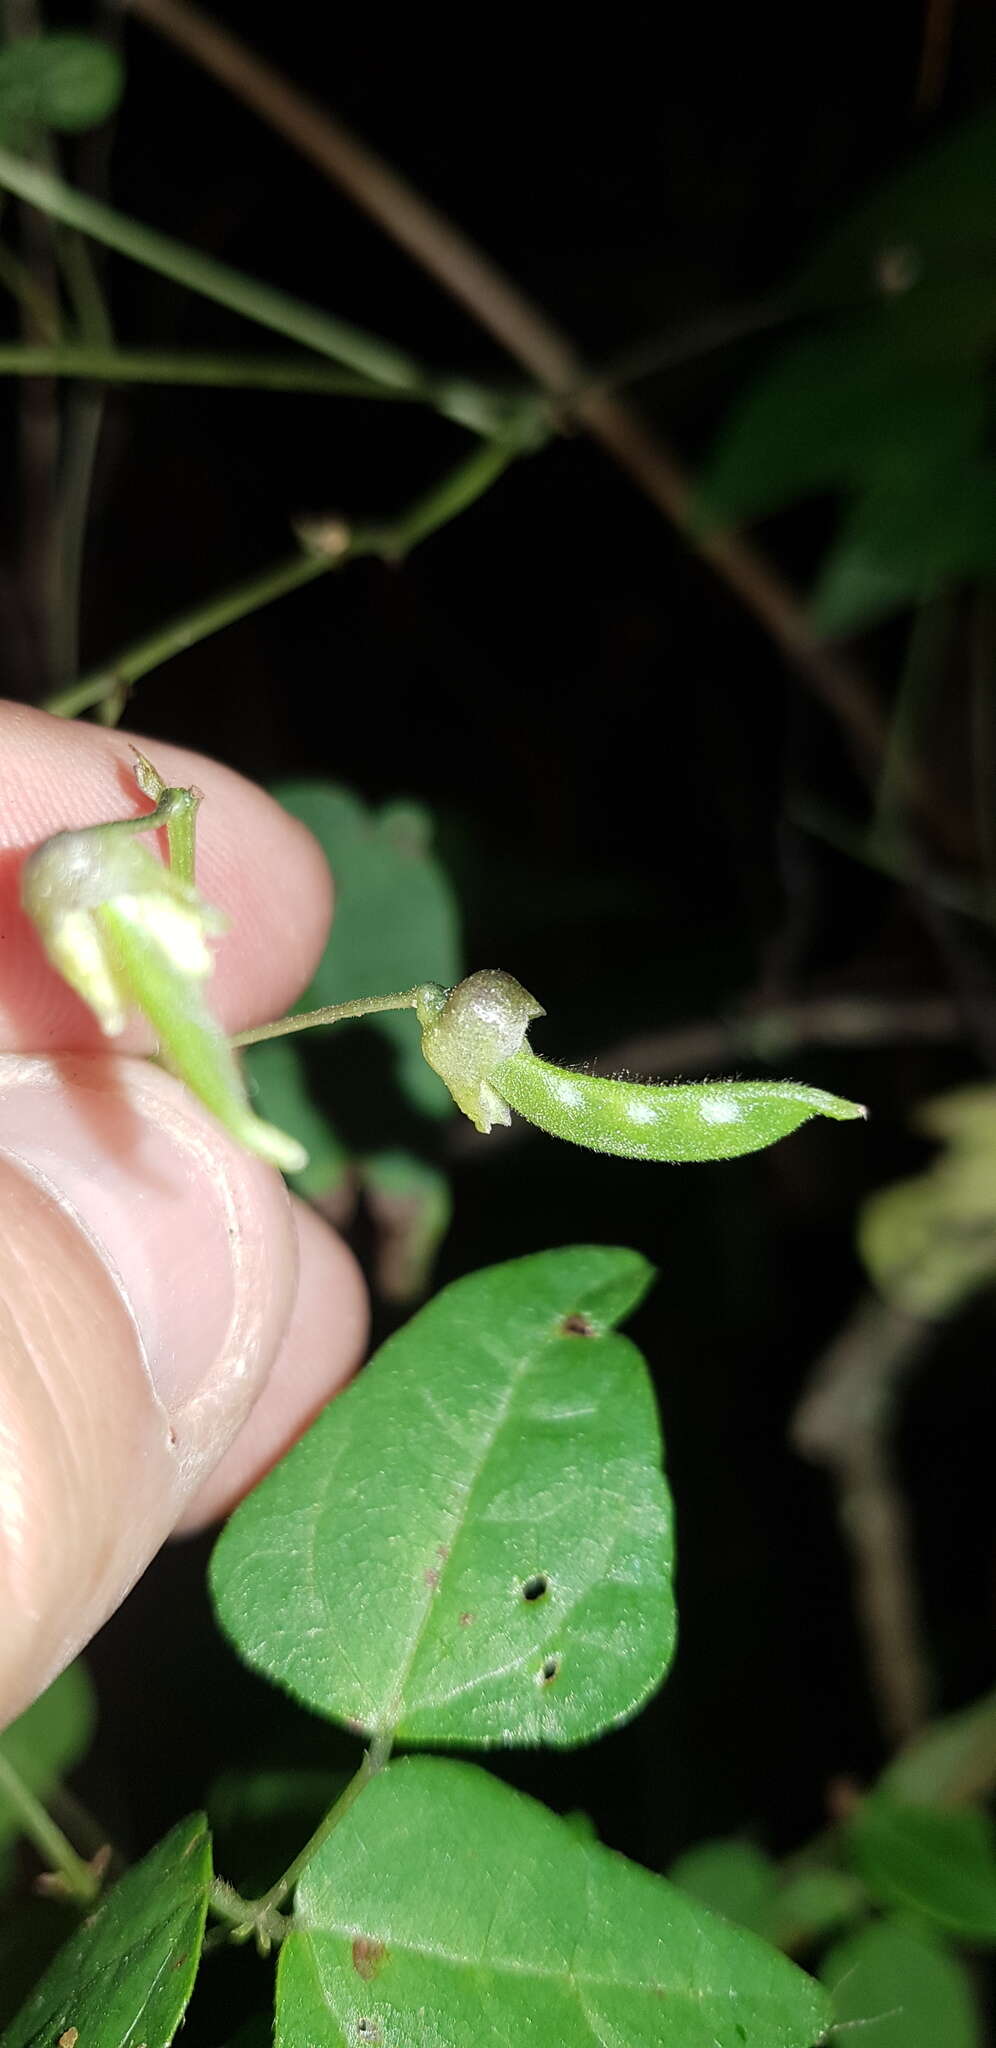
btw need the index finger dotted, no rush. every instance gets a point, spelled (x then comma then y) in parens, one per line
(254, 862)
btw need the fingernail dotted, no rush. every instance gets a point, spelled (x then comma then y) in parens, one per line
(192, 1229)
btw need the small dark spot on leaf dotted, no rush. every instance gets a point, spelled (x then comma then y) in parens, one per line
(369, 1956)
(549, 1669)
(431, 1577)
(442, 1552)
(178, 1965)
(577, 1326)
(741, 2032)
(534, 1588)
(367, 2030)
(171, 1438)
(465, 1620)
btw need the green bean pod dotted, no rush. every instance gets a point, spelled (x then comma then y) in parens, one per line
(670, 1121)
(475, 1037)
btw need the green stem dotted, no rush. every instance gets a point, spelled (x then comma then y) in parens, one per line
(111, 365)
(470, 404)
(451, 495)
(81, 1883)
(245, 1916)
(332, 1013)
(185, 631)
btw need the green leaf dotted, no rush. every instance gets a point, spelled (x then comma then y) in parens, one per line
(279, 1092)
(900, 1990)
(65, 82)
(929, 1242)
(473, 1543)
(47, 1740)
(411, 1205)
(447, 1909)
(951, 1761)
(836, 410)
(396, 920)
(908, 539)
(938, 1862)
(732, 1877)
(127, 1976)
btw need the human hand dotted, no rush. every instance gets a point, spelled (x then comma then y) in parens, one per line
(170, 1321)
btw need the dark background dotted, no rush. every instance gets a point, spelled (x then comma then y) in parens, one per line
(612, 747)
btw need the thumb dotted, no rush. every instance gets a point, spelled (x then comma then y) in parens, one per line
(147, 1276)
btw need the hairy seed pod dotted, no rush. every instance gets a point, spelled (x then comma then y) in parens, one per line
(678, 1122)
(475, 1037)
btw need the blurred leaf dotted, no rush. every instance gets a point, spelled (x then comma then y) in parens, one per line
(737, 1879)
(580, 1825)
(489, 1490)
(65, 82)
(811, 1905)
(127, 1975)
(929, 1242)
(935, 1861)
(733, 1878)
(449, 1909)
(47, 1740)
(396, 919)
(906, 540)
(953, 1760)
(933, 219)
(279, 1092)
(411, 1205)
(843, 408)
(901, 1990)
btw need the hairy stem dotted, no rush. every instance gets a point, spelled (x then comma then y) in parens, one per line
(79, 1880)
(260, 1916)
(333, 1013)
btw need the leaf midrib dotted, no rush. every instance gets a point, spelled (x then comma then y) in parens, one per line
(459, 1517)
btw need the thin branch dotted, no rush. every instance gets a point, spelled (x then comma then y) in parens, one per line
(533, 340)
(330, 546)
(472, 405)
(164, 366)
(844, 1421)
